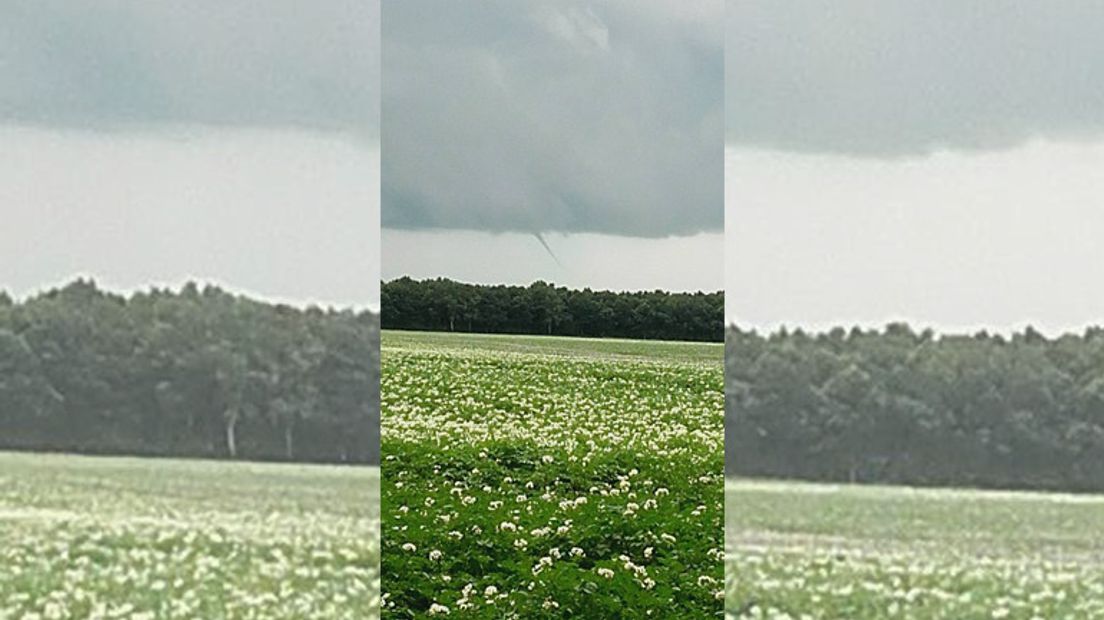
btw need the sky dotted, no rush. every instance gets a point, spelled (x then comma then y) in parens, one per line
(932, 161)
(679, 263)
(150, 143)
(597, 125)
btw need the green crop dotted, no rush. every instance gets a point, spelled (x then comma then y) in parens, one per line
(823, 551)
(93, 538)
(551, 478)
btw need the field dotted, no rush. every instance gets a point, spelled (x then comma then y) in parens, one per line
(97, 538)
(825, 551)
(529, 477)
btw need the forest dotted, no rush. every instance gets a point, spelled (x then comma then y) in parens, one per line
(899, 406)
(545, 309)
(197, 373)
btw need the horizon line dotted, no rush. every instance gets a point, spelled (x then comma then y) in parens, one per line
(176, 289)
(561, 286)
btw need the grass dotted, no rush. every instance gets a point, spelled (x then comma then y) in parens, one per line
(529, 477)
(106, 537)
(803, 550)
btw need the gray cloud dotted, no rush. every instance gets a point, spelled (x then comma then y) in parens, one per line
(122, 64)
(553, 115)
(890, 79)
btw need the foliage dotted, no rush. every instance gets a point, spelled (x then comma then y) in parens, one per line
(899, 406)
(559, 482)
(110, 537)
(818, 551)
(190, 373)
(541, 308)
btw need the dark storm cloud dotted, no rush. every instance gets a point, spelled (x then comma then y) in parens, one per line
(553, 116)
(123, 64)
(889, 79)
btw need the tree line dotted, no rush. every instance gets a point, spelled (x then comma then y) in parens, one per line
(899, 406)
(199, 372)
(541, 308)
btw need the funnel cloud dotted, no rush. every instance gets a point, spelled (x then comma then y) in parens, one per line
(548, 249)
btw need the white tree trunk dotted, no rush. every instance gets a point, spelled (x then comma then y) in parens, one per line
(231, 440)
(289, 448)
